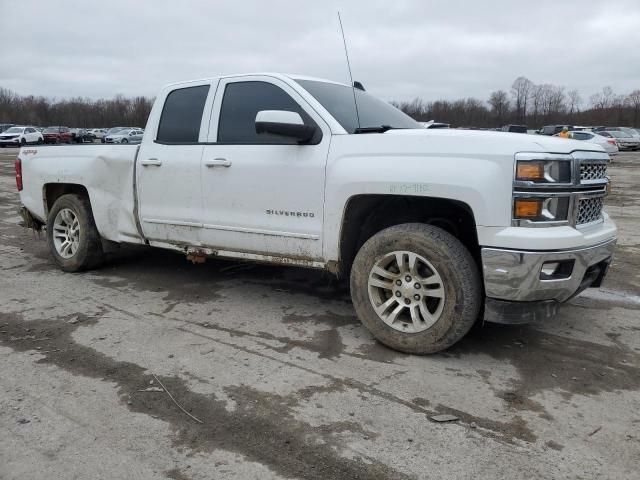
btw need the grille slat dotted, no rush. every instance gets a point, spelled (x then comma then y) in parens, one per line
(592, 171)
(589, 210)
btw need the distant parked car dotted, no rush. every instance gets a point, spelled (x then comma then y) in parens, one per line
(631, 131)
(125, 136)
(18, 136)
(111, 131)
(609, 144)
(98, 133)
(57, 135)
(625, 140)
(553, 129)
(515, 128)
(80, 135)
(4, 126)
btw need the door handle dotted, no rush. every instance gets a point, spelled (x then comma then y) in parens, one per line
(217, 162)
(151, 162)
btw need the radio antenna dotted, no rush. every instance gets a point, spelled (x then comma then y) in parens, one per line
(346, 54)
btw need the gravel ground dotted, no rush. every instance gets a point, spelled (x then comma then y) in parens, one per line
(280, 380)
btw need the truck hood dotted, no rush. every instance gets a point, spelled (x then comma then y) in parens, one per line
(496, 142)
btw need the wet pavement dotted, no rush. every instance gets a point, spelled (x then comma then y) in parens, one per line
(272, 376)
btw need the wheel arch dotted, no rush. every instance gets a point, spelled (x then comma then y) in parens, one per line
(52, 191)
(367, 214)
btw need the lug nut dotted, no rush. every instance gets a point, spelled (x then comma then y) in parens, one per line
(417, 286)
(398, 282)
(398, 294)
(407, 301)
(416, 297)
(407, 278)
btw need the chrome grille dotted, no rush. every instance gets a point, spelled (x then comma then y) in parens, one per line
(592, 171)
(589, 210)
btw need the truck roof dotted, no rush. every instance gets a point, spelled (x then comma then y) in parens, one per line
(282, 76)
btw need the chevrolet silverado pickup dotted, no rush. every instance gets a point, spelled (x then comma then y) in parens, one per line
(434, 228)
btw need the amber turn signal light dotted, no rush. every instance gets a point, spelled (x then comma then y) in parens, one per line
(527, 208)
(530, 171)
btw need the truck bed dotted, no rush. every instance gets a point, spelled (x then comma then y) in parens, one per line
(106, 172)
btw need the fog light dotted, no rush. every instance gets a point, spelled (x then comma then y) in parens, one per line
(548, 269)
(557, 270)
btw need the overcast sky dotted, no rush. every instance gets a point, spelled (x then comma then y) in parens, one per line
(399, 49)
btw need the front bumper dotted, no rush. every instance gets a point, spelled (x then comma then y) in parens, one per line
(518, 291)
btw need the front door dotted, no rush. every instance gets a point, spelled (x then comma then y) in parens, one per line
(168, 169)
(262, 193)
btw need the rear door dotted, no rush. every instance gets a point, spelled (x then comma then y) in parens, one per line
(31, 135)
(168, 169)
(261, 193)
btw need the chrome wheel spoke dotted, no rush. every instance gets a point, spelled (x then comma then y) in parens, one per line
(386, 284)
(394, 313)
(381, 309)
(410, 300)
(427, 317)
(381, 272)
(415, 316)
(66, 233)
(434, 292)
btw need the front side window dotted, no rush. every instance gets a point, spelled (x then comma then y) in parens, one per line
(182, 115)
(241, 103)
(338, 100)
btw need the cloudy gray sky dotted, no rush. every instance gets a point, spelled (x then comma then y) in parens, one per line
(399, 49)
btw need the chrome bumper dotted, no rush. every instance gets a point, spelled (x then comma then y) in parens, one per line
(516, 289)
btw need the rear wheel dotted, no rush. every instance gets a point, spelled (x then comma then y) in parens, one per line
(72, 235)
(416, 288)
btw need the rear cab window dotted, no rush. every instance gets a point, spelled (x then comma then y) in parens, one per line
(182, 115)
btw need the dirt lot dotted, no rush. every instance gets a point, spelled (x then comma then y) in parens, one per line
(285, 383)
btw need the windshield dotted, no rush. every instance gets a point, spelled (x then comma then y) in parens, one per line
(14, 130)
(617, 134)
(338, 100)
(51, 130)
(114, 130)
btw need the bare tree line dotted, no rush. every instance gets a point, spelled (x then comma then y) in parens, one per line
(526, 103)
(530, 104)
(73, 112)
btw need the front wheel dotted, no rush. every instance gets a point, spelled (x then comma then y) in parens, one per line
(416, 288)
(124, 140)
(72, 235)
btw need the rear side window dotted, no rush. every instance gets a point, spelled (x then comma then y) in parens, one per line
(240, 105)
(182, 114)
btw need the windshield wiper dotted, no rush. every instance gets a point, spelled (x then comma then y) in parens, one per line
(380, 129)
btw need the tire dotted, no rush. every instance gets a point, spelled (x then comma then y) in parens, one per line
(88, 252)
(23, 142)
(453, 306)
(40, 141)
(124, 140)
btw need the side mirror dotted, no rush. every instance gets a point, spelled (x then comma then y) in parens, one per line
(284, 123)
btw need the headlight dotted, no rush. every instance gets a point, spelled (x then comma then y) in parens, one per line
(543, 171)
(541, 208)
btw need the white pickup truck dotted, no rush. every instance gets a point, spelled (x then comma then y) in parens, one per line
(435, 228)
